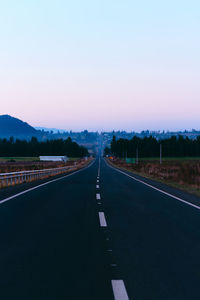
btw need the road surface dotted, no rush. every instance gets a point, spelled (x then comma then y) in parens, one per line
(99, 234)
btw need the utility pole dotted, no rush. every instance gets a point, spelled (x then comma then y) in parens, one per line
(137, 155)
(160, 153)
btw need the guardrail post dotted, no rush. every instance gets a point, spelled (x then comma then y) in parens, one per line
(13, 178)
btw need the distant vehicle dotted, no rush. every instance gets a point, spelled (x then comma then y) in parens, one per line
(54, 158)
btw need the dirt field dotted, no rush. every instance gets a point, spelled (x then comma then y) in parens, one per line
(183, 173)
(7, 166)
(13, 179)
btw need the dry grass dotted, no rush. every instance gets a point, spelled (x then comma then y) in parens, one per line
(19, 166)
(9, 166)
(178, 173)
(13, 159)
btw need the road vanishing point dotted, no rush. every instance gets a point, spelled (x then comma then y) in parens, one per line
(99, 233)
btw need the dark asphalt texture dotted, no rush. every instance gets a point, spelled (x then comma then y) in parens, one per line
(52, 245)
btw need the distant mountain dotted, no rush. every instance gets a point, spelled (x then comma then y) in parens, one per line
(10, 126)
(55, 130)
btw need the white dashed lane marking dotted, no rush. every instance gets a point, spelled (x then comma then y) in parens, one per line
(98, 197)
(118, 287)
(102, 219)
(119, 290)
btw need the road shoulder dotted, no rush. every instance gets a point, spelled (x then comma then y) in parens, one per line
(193, 199)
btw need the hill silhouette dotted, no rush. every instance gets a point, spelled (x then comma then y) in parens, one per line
(10, 126)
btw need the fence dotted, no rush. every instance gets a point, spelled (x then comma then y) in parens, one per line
(9, 179)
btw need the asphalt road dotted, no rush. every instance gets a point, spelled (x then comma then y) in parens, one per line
(87, 238)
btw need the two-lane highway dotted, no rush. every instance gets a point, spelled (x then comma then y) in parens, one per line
(98, 234)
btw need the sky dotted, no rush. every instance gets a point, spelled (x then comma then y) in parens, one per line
(101, 65)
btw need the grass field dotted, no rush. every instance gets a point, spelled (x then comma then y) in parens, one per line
(168, 158)
(5, 159)
(15, 164)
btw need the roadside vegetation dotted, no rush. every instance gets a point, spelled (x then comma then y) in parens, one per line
(7, 180)
(28, 159)
(168, 159)
(150, 147)
(182, 174)
(16, 166)
(14, 159)
(180, 166)
(21, 155)
(34, 148)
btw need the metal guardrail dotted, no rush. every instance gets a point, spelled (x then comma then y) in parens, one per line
(9, 179)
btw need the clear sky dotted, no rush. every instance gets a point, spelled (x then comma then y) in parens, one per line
(96, 65)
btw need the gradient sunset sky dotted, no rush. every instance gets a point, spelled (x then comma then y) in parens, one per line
(101, 65)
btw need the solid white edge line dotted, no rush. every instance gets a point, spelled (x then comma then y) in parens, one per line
(43, 184)
(102, 219)
(153, 187)
(119, 290)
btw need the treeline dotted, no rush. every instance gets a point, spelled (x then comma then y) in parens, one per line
(150, 147)
(35, 148)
